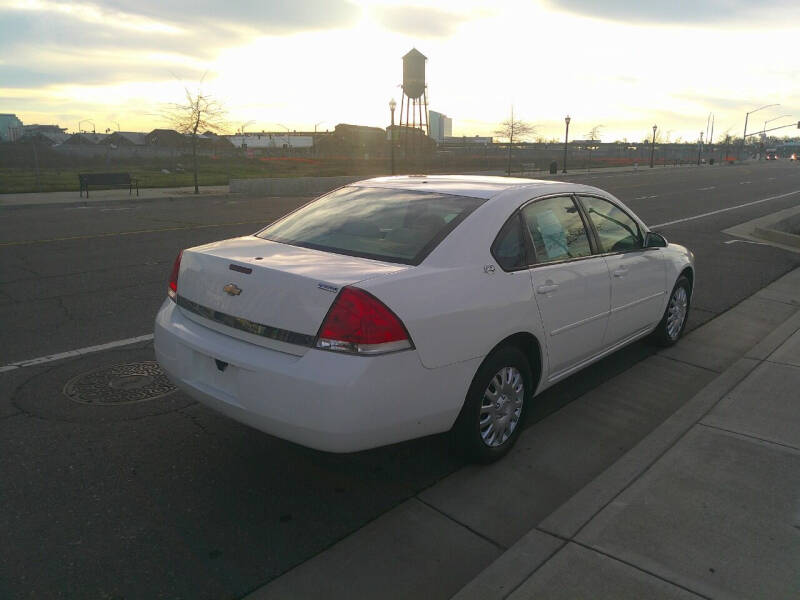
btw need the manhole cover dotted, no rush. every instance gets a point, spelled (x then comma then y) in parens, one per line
(120, 384)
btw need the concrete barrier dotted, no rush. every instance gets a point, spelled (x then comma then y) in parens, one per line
(289, 186)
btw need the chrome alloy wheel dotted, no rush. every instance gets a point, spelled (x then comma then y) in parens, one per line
(501, 406)
(676, 312)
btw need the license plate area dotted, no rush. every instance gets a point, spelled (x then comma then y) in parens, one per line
(216, 374)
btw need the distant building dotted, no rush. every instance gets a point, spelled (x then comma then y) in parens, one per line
(45, 134)
(126, 138)
(273, 139)
(441, 126)
(85, 139)
(10, 128)
(166, 138)
(477, 139)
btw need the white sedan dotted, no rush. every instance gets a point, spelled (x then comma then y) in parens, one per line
(399, 307)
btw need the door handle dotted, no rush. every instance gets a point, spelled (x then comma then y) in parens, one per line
(547, 288)
(621, 272)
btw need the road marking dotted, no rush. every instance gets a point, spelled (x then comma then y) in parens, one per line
(745, 182)
(121, 233)
(71, 353)
(722, 210)
(711, 187)
(746, 242)
(646, 197)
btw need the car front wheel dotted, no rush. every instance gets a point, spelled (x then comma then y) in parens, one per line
(673, 322)
(491, 419)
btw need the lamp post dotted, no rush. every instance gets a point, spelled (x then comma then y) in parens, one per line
(314, 139)
(699, 148)
(653, 146)
(566, 140)
(392, 106)
(747, 116)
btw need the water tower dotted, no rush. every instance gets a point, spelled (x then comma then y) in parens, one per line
(414, 101)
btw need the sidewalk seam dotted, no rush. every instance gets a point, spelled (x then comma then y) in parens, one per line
(624, 562)
(686, 362)
(465, 526)
(749, 436)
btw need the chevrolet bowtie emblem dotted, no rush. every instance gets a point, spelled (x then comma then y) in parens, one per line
(232, 289)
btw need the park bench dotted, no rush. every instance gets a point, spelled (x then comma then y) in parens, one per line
(107, 180)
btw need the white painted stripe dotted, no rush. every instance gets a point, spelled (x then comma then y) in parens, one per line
(72, 353)
(722, 210)
(711, 187)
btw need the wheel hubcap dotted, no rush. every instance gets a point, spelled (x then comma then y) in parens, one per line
(501, 407)
(676, 312)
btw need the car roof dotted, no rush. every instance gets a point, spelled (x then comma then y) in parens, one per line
(474, 186)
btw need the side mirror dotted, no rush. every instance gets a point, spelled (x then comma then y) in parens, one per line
(654, 240)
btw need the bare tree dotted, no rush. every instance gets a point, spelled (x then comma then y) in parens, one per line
(594, 133)
(199, 112)
(514, 129)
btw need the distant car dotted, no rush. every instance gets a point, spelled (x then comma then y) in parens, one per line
(793, 156)
(771, 154)
(395, 308)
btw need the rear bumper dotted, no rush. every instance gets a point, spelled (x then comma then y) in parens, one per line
(323, 400)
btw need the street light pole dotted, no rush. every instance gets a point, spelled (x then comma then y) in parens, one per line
(392, 106)
(699, 148)
(653, 146)
(746, 117)
(566, 140)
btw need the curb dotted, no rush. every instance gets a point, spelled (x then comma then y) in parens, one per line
(520, 561)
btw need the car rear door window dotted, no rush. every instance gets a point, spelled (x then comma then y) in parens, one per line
(556, 229)
(616, 231)
(393, 225)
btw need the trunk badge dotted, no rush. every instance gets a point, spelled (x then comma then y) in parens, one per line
(232, 289)
(328, 288)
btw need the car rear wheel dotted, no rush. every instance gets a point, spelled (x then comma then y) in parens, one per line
(672, 324)
(491, 419)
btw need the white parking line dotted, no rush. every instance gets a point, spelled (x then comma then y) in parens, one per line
(71, 353)
(646, 197)
(711, 187)
(722, 210)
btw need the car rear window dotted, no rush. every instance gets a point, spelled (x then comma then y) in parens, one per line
(399, 226)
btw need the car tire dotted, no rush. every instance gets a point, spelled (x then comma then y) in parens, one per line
(494, 410)
(672, 324)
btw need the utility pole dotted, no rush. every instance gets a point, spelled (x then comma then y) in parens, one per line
(566, 140)
(392, 106)
(653, 146)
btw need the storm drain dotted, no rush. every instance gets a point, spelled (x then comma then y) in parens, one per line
(121, 384)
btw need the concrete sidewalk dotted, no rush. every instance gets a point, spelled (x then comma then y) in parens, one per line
(115, 195)
(707, 505)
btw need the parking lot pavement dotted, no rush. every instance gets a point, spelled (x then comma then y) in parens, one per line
(166, 498)
(703, 507)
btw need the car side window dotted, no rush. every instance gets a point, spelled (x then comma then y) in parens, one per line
(556, 229)
(617, 232)
(508, 248)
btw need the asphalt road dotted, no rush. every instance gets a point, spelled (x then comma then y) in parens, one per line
(167, 499)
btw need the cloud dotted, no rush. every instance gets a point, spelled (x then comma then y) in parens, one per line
(700, 12)
(418, 21)
(266, 16)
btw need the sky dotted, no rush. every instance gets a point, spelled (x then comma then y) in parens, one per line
(622, 65)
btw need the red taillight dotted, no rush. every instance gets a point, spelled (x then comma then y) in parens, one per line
(359, 323)
(172, 290)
